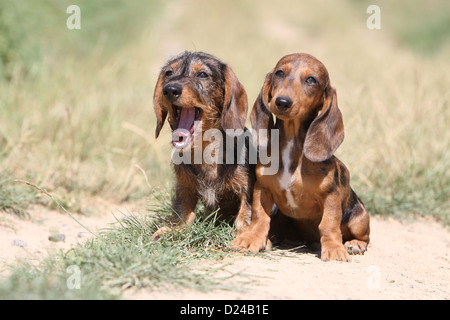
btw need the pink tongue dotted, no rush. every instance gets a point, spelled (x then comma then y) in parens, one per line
(187, 117)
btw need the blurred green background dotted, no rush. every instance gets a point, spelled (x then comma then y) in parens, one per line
(76, 111)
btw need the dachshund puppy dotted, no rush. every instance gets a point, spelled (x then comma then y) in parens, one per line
(311, 189)
(202, 95)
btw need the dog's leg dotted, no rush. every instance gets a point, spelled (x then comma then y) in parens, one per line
(356, 231)
(330, 231)
(255, 237)
(244, 216)
(183, 203)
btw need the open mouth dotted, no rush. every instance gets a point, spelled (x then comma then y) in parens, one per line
(185, 121)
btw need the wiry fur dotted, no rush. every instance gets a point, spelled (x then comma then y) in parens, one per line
(223, 101)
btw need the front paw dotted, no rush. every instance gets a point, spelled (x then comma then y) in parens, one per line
(248, 241)
(335, 252)
(157, 235)
(356, 246)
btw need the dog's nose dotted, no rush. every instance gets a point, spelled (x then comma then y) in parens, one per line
(172, 91)
(283, 103)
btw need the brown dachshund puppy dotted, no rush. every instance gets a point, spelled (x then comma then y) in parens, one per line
(203, 99)
(311, 189)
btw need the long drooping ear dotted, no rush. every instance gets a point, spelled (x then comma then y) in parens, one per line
(235, 106)
(326, 132)
(261, 117)
(161, 113)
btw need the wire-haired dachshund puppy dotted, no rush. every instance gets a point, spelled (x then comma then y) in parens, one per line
(311, 189)
(200, 95)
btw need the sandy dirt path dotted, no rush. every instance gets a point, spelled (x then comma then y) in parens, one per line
(405, 260)
(28, 239)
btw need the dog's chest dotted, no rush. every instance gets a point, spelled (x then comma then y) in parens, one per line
(209, 189)
(215, 183)
(287, 186)
(286, 177)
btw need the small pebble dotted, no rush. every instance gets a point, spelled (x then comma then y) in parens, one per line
(19, 243)
(57, 237)
(390, 280)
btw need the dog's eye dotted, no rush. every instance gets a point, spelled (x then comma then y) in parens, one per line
(203, 75)
(169, 73)
(280, 74)
(311, 81)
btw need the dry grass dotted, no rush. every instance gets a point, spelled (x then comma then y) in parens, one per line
(82, 122)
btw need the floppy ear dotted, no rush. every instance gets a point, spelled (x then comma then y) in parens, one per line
(235, 105)
(326, 132)
(261, 117)
(161, 113)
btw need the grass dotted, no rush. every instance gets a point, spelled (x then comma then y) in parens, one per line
(76, 116)
(15, 199)
(67, 117)
(122, 257)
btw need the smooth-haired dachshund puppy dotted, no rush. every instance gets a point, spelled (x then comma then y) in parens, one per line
(311, 189)
(201, 94)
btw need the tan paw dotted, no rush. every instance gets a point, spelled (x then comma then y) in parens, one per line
(157, 235)
(247, 241)
(335, 252)
(355, 246)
